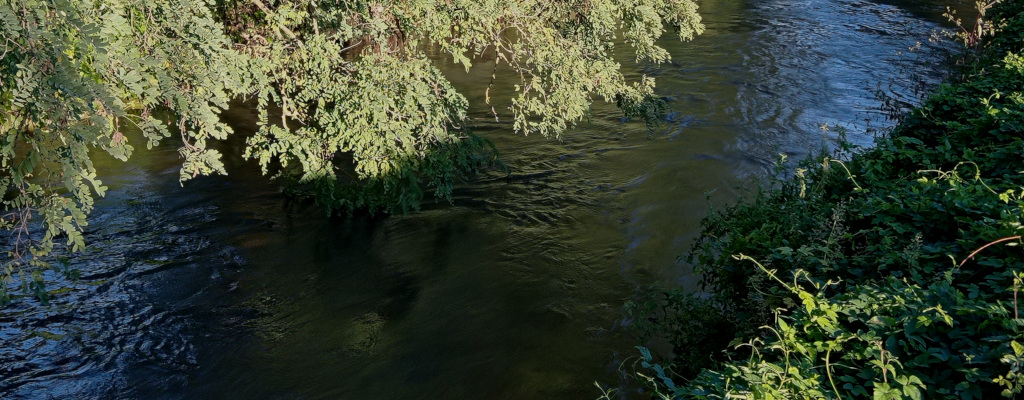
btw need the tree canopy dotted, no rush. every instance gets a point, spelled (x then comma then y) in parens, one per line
(349, 103)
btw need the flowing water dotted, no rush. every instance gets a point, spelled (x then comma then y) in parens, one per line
(226, 289)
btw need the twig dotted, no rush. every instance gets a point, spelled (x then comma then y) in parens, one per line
(828, 370)
(975, 252)
(350, 47)
(268, 12)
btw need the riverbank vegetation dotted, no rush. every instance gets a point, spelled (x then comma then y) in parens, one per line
(351, 109)
(893, 272)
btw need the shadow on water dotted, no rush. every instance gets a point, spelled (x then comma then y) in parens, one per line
(226, 289)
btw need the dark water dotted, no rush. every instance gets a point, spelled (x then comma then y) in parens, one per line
(225, 289)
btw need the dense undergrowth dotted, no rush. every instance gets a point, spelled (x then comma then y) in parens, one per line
(893, 274)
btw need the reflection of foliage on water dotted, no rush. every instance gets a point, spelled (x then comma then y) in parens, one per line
(269, 311)
(271, 318)
(364, 334)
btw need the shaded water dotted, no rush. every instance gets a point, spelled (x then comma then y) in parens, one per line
(225, 289)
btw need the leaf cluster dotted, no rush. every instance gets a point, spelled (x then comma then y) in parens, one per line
(74, 76)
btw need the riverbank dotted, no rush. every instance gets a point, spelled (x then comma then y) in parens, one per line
(892, 272)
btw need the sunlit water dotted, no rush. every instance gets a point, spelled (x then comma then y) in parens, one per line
(225, 289)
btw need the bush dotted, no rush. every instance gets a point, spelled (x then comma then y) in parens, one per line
(893, 275)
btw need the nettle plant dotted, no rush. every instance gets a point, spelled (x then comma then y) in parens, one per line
(893, 274)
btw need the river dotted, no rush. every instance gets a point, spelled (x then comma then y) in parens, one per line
(225, 289)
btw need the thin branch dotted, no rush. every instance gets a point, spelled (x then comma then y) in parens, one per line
(350, 47)
(268, 12)
(975, 252)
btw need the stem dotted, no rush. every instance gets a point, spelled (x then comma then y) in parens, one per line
(975, 252)
(268, 12)
(881, 353)
(767, 271)
(828, 371)
(848, 173)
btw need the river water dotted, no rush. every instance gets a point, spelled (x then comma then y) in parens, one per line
(225, 289)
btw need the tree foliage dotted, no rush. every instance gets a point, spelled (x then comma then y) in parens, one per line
(350, 106)
(396, 108)
(74, 75)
